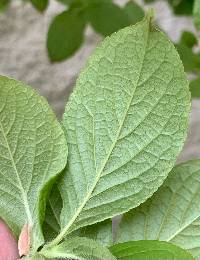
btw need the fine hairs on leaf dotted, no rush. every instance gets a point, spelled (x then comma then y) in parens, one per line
(33, 152)
(172, 214)
(122, 130)
(125, 124)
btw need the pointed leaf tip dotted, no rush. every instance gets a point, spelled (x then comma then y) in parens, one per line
(8, 244)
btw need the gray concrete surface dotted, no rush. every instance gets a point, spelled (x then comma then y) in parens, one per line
(23, 56)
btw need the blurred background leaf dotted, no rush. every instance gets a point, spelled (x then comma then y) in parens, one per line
(4, 4)
(196, 14)
(66, 34)
(106, 17)
(195, 88)
(40, 5)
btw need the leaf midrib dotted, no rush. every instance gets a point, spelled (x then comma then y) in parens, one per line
(66, 229)
(23, 193)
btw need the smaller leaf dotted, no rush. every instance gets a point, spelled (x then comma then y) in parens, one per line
(191, 61)
(134, 12)
(40, 5)
(149, 250)
(78, 248)
(106, 17)
(189, 39)
(196, 14)
(183, 7)
(65, 34)
(195, 88)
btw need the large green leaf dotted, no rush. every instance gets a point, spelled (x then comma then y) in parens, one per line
(40, 5)
(149, 250)
(196, 13)
(125, 123)
(172, 214)
(66, 34)
(107, 17)
(33, 152)
(78, 248)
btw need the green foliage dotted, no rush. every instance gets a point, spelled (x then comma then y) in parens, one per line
(125, 125)
(172, 214)
(113, 127)
(133, 11)
(189, 39)
(196, 13)
(40, 5)
(190, 59)
(4, 4)
(33, 152)
(182, 7)
(149, 250)
(106, 17)
(78, 248)
(195, 88)
(65, 34)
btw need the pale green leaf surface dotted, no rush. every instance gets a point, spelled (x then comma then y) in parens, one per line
(101, 232)
(149, 250)
(196, 13)
(33, 151)
(172, 214)
(78, 248)
(125, 123)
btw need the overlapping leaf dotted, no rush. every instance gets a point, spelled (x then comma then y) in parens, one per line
(149, 250)
(33, 152)
(172, 214)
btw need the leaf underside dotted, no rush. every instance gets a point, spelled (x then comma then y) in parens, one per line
(33, 151)
(125, 124)
(78, 248)
(172, 214)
